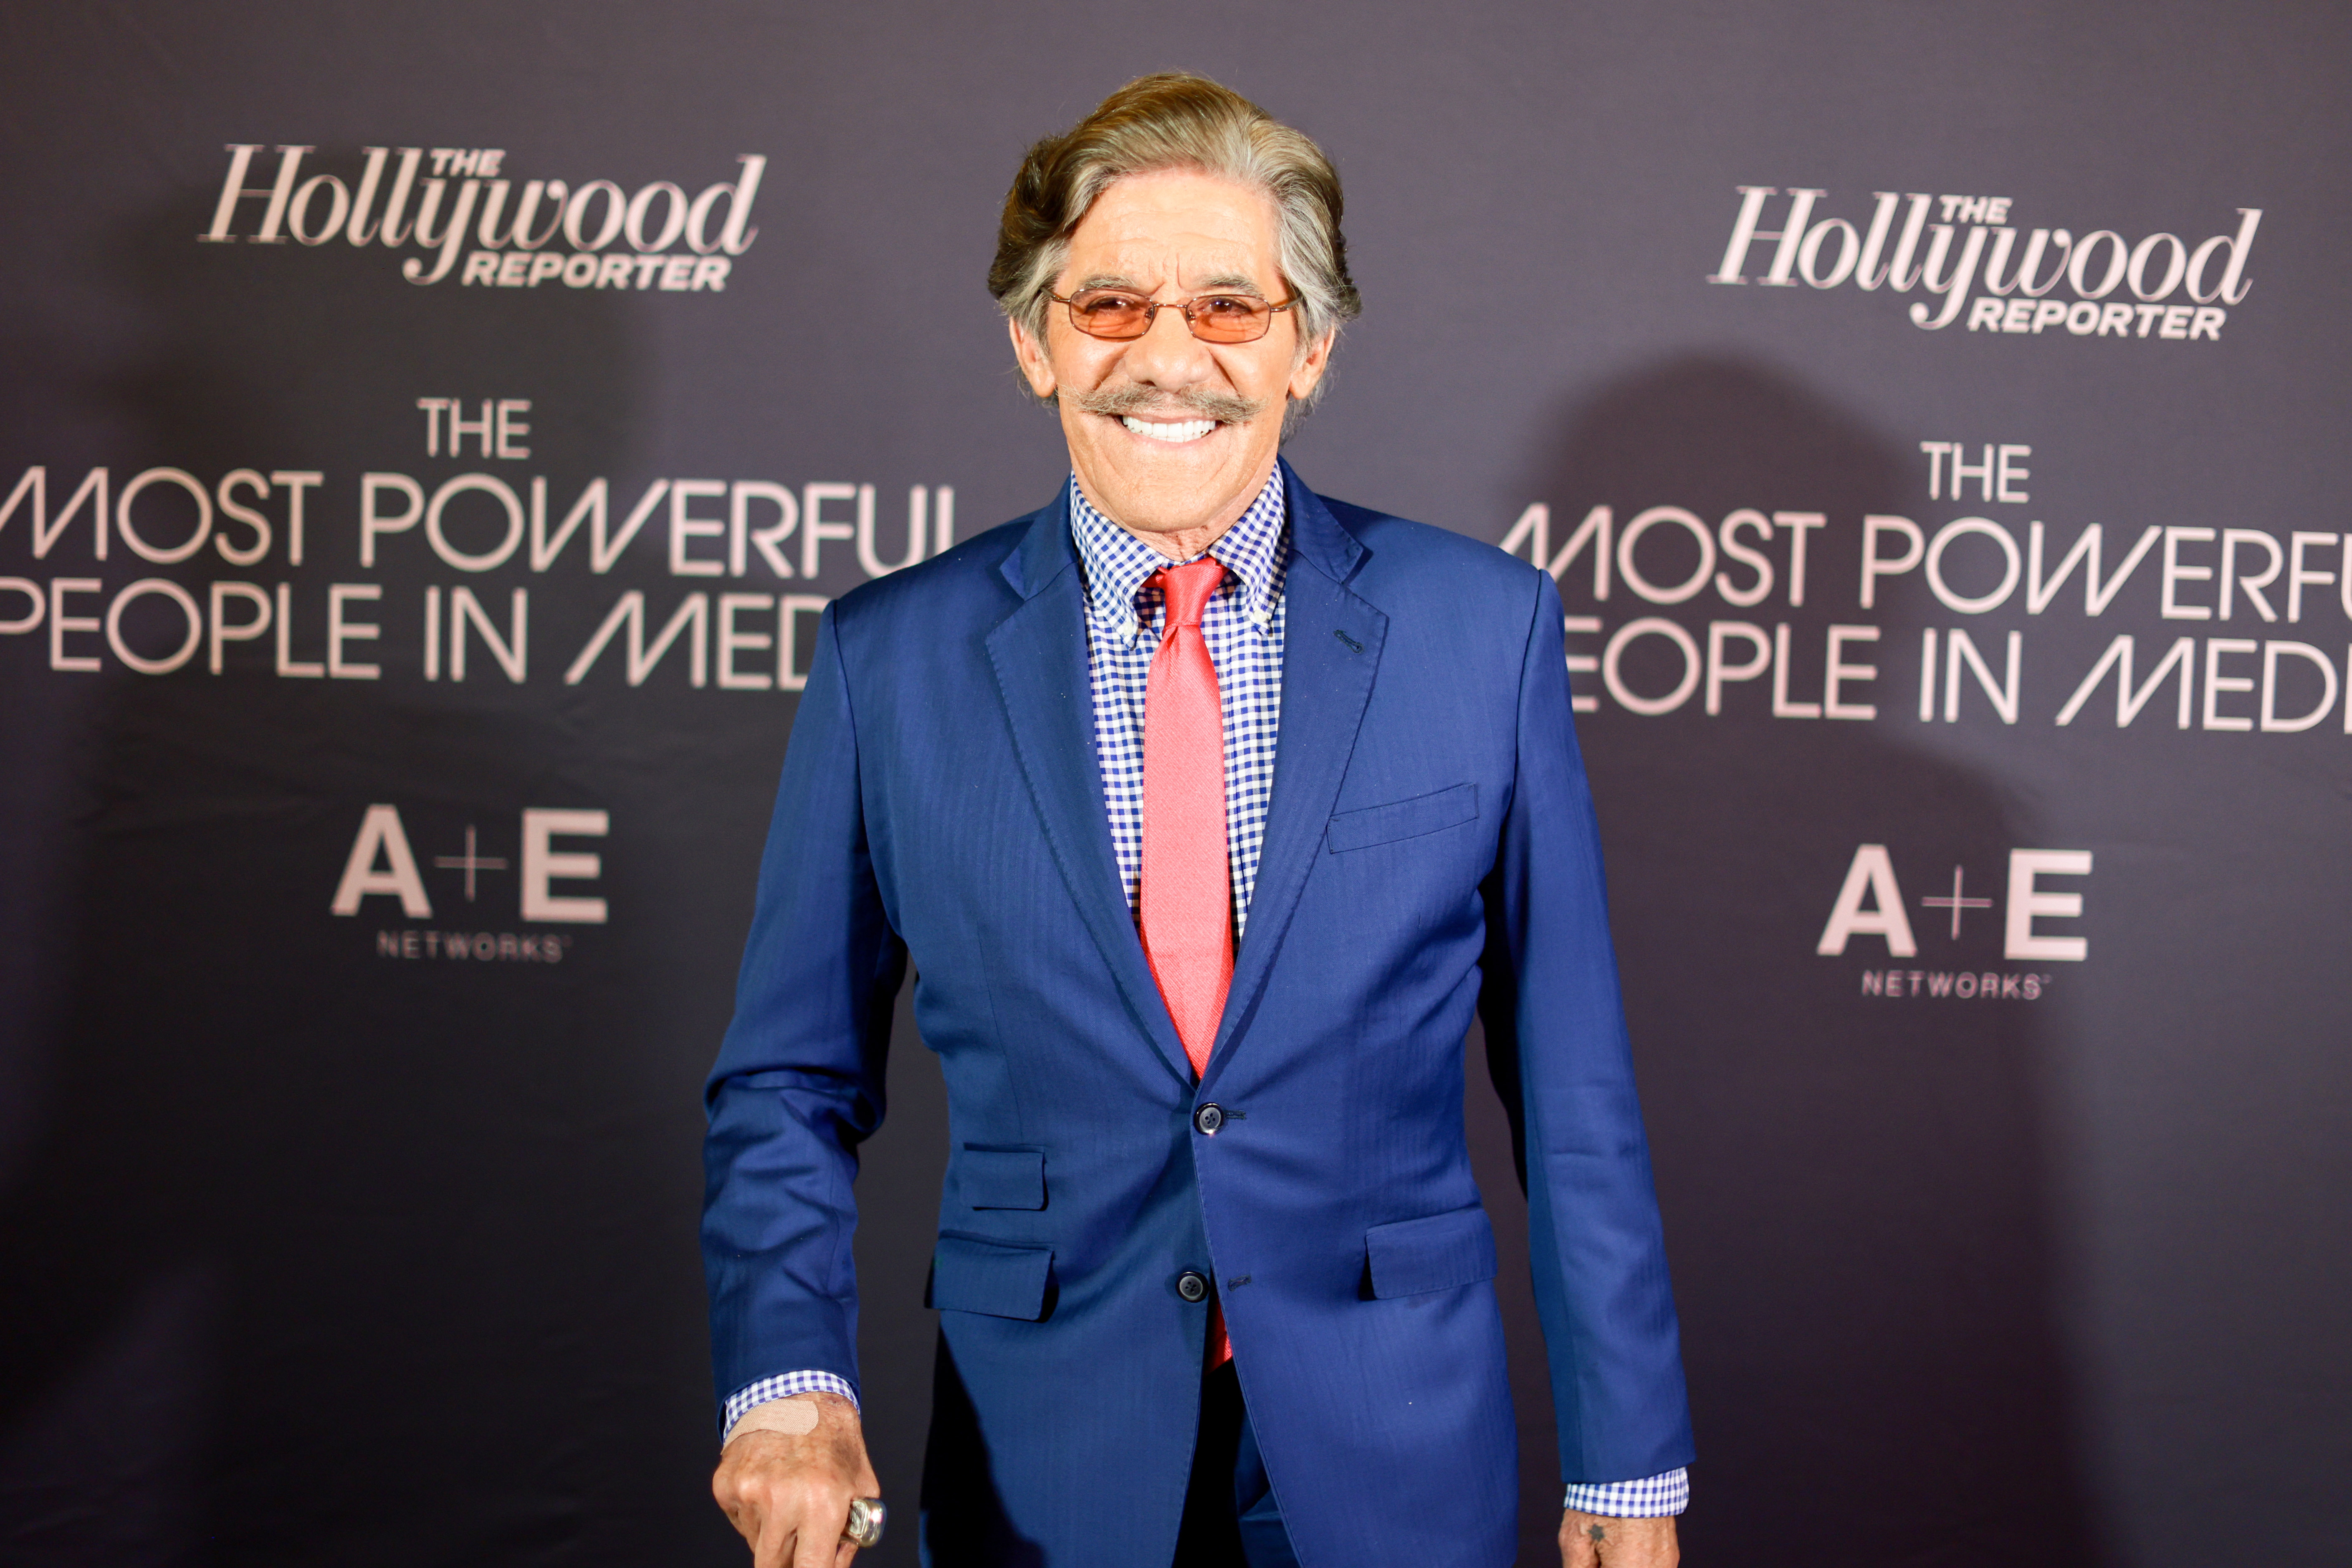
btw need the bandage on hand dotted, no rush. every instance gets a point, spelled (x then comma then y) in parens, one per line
(794, 1416)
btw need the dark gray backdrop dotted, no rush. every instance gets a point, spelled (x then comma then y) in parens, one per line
(313, 1250)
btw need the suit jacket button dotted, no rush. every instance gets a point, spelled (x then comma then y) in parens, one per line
(1191, 1286)
(1209, 1118)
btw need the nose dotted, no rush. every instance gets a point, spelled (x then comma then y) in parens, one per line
(1167, 354)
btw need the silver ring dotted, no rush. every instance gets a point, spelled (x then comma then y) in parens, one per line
(864, 1529)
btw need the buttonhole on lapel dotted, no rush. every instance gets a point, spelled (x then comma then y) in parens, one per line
(1237, 1282)
(1353, 645)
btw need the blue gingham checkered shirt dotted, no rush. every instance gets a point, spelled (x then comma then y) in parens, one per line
(1242, 626)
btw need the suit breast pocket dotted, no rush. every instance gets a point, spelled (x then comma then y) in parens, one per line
(1002, 1178)
(1440, 1252)
(1414, 819)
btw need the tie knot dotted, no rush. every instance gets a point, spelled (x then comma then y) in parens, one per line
(1188, 589)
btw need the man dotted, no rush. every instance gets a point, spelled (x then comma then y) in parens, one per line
(1206, 809)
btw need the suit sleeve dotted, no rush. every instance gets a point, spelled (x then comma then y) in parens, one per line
(799, 1081)
(1557, 1045)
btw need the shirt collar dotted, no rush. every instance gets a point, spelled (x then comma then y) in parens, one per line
(1117, 565)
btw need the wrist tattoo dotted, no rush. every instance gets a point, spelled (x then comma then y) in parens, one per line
(1596, 1533)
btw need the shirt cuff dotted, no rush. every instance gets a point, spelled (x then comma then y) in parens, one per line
(783, 1387)
(1649, 1497)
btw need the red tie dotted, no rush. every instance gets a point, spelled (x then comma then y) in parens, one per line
(1187, 891)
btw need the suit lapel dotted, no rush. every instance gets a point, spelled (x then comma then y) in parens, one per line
(1039, 655)
(1331, 650)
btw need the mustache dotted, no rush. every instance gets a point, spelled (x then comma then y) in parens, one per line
(1119, 402)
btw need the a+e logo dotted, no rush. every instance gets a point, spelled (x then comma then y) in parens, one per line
(1870, 876)
(382, 862)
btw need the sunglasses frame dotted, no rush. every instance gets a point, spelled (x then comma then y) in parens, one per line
(1151, 309)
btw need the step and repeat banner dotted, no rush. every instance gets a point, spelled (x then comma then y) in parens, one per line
(433, 431)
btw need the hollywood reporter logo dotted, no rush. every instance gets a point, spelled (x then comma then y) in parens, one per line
(547, 232)
(382, 864)
(2157, 286)
(1870, 904)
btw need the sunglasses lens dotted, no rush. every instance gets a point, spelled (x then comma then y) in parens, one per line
(1231, 319)
(1106, 313)
(1215, 318)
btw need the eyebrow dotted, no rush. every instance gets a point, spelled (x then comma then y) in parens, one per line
(1223, 283)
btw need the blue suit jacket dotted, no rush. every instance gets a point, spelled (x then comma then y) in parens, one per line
(1430, 848)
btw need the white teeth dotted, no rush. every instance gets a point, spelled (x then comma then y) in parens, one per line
(1190, 430)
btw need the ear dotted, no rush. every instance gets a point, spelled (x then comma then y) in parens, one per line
(1308, 370)
(1034, 366)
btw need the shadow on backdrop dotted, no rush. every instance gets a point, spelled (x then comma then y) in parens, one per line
(1857, 1190)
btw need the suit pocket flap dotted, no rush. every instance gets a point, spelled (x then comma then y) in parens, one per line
(973, 1276)
(1403, 818)
(1002, 1178)
(1443, 1252)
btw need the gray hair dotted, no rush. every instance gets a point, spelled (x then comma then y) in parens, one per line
(1175, 120)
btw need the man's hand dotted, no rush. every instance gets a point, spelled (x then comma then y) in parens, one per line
(789, 1493)
(1594, 1541)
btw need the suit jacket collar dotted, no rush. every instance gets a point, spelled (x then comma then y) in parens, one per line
(1330, 654)
(1046, 549)
(1317, 537)
(1039, 656)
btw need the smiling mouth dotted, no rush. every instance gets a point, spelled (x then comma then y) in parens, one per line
(1173, 433)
